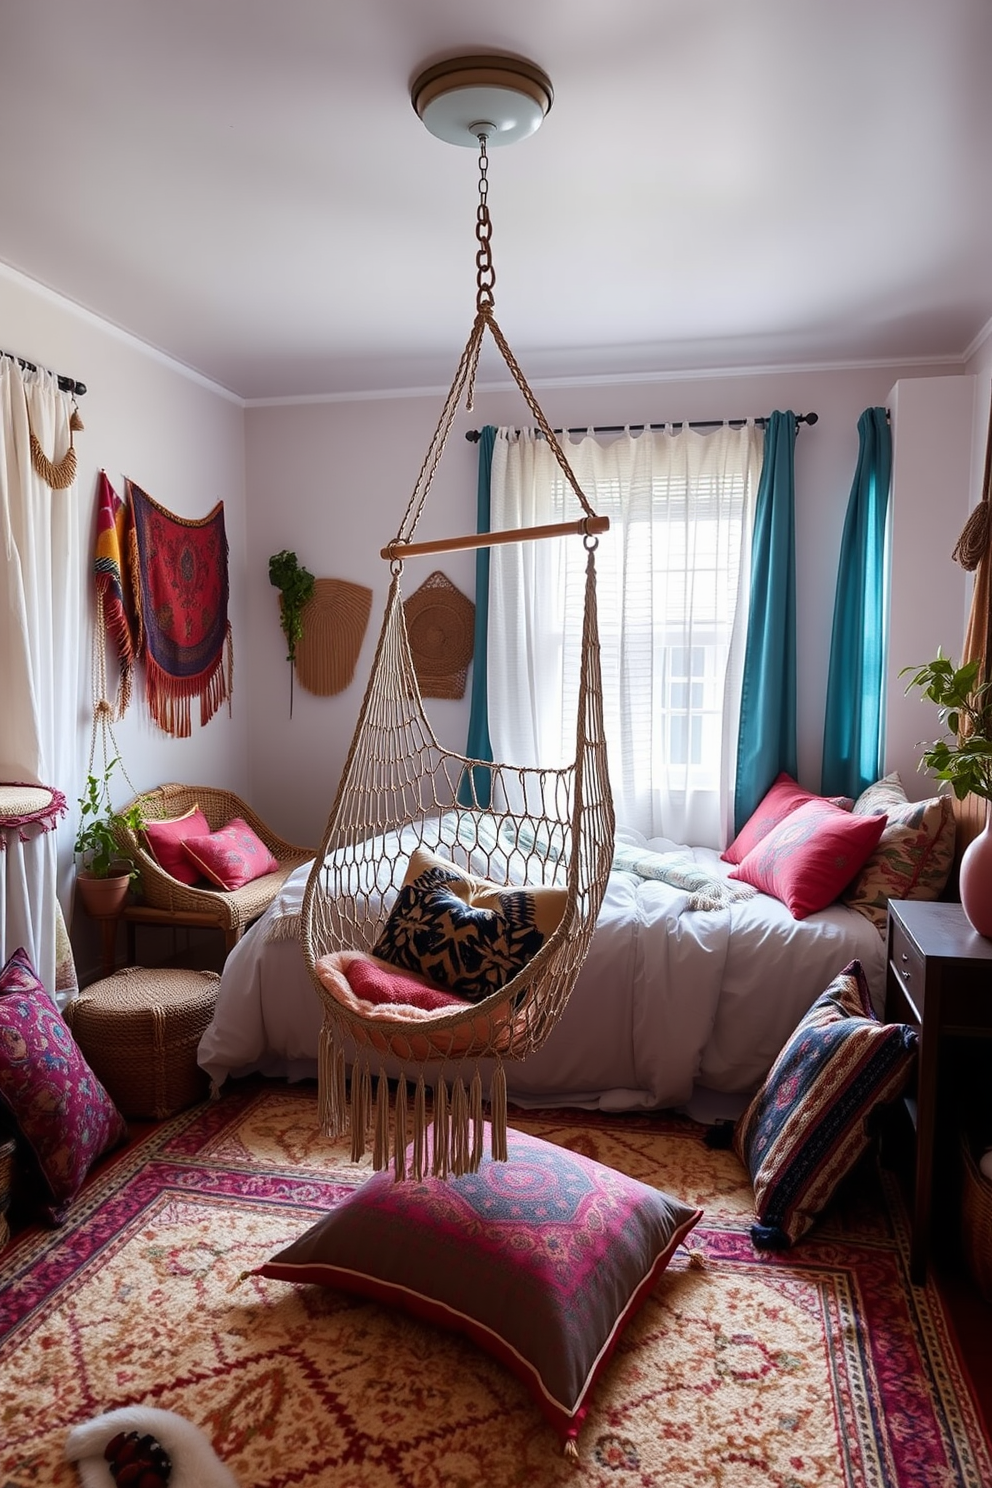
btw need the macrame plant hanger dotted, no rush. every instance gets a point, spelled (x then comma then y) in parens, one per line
(400, 789)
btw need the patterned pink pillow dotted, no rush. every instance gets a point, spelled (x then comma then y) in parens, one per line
(810, 856)
(542, 1260)
(231, 856)
(914, 853)
(784, 796)
(63, 1112)
(164, 840)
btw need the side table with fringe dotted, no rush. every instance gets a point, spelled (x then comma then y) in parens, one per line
(139, 1030)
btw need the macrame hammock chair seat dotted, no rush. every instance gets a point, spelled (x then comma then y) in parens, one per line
(400, 790)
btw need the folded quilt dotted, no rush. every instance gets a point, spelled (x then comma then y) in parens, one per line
(705, 890)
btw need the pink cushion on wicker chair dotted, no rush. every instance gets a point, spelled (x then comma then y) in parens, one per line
(165, 839)
(230, 857)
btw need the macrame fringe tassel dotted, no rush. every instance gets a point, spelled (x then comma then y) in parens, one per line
(459, 1129)
(399, 1132)
(380, 1148)
(478, 1125)
(497, 1113)
(572, 1450)
(440, 1164)
(419, 1128)
(331, 1108)
(361, 1103)
(170, 698)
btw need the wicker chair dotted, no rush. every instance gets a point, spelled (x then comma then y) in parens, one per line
(165, 900)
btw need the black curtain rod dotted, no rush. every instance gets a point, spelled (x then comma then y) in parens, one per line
(66, 384)
(738, 423)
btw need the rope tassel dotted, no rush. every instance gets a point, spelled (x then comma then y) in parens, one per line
(440, 1164)
(419, 1128)
(399, 1132)
(380, 1148)
(497, 1118)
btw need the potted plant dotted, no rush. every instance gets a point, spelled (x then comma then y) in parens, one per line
(104, 875)
(296, 586)
(964, 759)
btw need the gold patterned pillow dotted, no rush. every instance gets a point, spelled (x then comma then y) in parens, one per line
(914, 853)
(465, 933)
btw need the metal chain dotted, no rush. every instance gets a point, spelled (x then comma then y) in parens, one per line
(485, 278)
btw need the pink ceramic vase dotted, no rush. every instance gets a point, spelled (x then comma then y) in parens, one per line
(975, 880)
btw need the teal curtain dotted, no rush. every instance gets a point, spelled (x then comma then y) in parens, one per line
(766, 742)
(854, 728)
(476, 785)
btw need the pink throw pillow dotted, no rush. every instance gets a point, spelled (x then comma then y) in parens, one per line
(230, 857)
(60, 1108)
(783, 797)
(377, 983)
(811, 856)
(164, 840)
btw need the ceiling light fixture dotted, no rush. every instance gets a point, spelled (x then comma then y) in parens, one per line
(505, 98)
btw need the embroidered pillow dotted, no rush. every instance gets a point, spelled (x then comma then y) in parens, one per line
(464, 933)
(230, 857)
(542, 1260)
(810, 856)
(64, 1114)
(809, 1123)
(784, 796)
(164, 840)
(377, 982)
(914, 853)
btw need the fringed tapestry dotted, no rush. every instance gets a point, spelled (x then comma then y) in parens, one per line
(116, 613)
(183, 595)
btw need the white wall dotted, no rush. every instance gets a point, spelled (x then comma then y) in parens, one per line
(331, 481)
(182, 441)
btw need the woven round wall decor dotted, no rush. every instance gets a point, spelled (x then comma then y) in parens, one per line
(334, 623)
(440, 623)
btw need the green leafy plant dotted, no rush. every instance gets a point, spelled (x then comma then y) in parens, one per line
(96, 842)
(296, 586)
(964, 708)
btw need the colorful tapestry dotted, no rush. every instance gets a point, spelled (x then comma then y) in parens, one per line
(822, 1367)
(183, 593)
(117, 616)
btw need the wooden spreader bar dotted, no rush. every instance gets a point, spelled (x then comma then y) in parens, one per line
(584, 527)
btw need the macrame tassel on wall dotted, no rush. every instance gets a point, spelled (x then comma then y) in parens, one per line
(61, 476)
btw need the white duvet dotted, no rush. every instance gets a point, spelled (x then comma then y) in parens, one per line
(674, 1007)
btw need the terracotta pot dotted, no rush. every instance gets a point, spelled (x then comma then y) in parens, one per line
(102, 897)
(975, 880)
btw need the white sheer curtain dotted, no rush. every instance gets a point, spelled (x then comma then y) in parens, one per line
(41, 576)
(673, 574)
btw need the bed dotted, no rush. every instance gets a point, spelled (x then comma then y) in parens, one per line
(676, 1006)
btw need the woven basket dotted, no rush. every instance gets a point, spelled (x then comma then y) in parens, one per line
(8, 1149)
(139, 1031)
(976, 1220)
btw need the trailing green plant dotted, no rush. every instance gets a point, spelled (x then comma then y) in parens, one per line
(96, 840)
(964, 708)
(296, 586)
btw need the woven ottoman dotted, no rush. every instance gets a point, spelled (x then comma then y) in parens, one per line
(139, 1031)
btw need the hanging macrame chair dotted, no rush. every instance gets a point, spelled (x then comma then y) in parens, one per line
(400, 790)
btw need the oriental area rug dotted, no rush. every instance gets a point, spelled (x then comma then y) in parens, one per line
(818, 1368)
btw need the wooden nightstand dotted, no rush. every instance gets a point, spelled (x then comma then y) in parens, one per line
(939, 980)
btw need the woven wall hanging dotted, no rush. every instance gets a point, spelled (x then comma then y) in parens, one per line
(335, 620)
(440, 624)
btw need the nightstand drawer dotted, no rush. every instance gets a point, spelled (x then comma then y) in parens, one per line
(909, 966)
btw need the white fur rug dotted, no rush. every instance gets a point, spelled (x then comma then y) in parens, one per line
(195, 1464)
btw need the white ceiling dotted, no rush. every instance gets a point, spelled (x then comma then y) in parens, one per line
(720, 183)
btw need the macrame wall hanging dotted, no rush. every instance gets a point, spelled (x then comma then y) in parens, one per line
(529, 869)
(61, 474)
(440, 622)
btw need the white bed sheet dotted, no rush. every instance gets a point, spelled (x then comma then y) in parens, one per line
(673, 1008)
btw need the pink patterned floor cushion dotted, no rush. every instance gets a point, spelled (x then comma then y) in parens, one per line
(56, 1101)
(164, 840)
(542, 1260)
(811, 855)
(784, 795)
(914, 853)
(230, 857)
